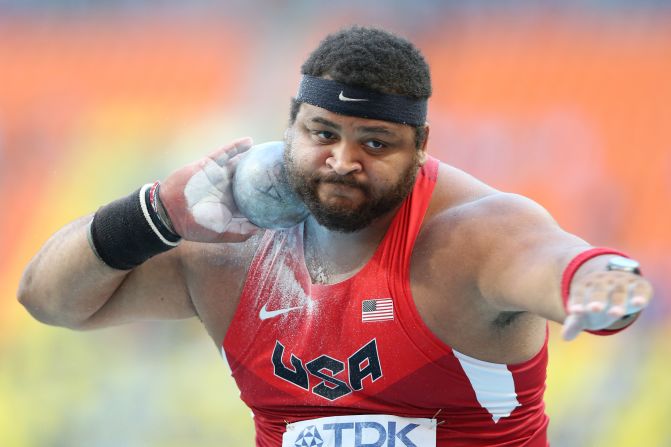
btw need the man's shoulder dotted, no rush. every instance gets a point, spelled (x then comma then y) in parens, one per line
(467, 218)
(456, 239)
(462, 198)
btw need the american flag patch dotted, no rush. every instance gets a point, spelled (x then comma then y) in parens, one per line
(378, 309)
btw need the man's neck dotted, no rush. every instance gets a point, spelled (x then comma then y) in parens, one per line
(333, 256)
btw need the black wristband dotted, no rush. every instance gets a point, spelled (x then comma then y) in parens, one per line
(127, 232)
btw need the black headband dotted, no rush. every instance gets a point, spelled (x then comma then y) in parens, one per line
(358, 101)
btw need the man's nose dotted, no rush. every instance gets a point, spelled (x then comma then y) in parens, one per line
(344, 158)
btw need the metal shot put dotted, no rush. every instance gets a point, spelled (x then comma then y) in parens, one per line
(261, 190)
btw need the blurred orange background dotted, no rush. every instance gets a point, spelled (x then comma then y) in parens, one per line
(567, 103)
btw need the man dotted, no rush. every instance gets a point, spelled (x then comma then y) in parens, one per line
(410, 308)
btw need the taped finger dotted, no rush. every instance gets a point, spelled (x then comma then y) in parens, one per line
(573, 325)
(640, 293)
(618, 297)
(597, 298)
(577, 299)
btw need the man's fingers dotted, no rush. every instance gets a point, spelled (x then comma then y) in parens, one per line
(576, 303)
(640, 295)
(240, 229)
(597, 296)
(234, 162)
(573, 325)
(618, 300)
(226, 153)
(243, 226)
(215, 176)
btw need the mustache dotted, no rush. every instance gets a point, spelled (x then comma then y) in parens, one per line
(344, 180)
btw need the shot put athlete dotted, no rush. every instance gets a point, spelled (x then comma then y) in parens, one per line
(399, 302)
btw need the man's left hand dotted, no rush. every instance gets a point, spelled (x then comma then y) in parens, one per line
(600, 299)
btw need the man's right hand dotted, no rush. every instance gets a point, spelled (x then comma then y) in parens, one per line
(199, 200)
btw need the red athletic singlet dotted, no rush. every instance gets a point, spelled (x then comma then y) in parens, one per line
(301, 351)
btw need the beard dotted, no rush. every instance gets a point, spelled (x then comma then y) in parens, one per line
(343, 218)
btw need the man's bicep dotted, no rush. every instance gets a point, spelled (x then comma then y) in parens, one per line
(155, 290)
(524, 258)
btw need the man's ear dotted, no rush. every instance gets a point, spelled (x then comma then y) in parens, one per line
(423, 148)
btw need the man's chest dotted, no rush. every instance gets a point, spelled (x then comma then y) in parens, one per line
(326, 345)
(349, 351)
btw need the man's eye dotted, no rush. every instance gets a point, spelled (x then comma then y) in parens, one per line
(325, 134)
(374, 144)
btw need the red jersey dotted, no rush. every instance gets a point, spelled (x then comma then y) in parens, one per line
(307, 352)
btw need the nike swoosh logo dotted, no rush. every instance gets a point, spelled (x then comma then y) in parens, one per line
(345, 98)
(264, 313)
